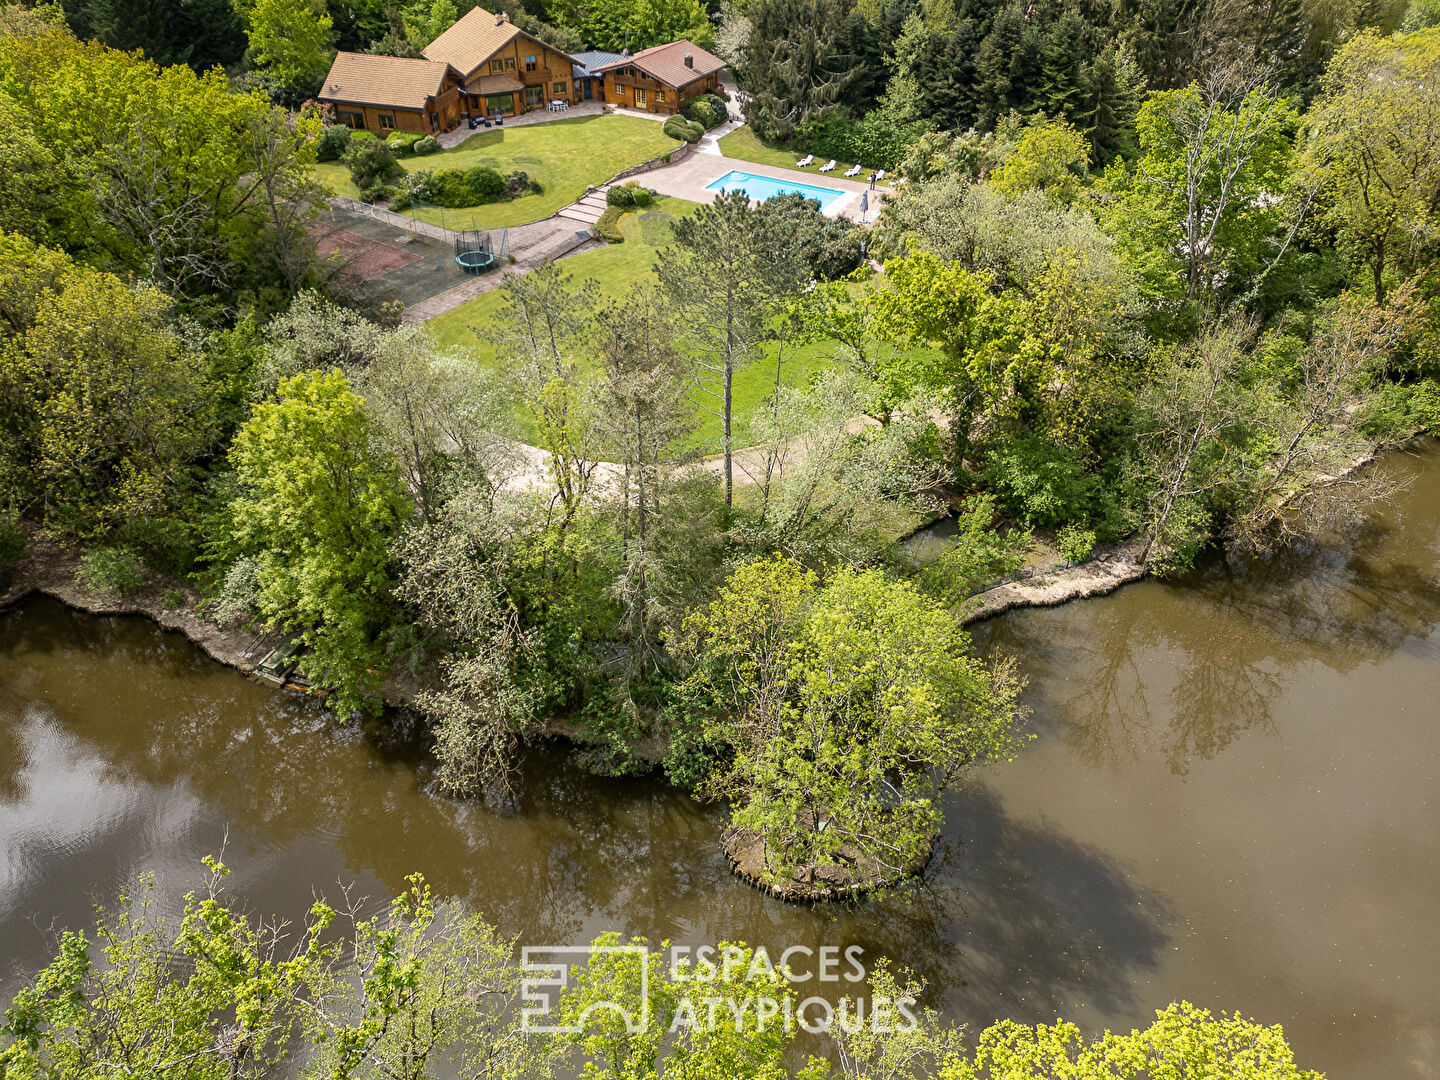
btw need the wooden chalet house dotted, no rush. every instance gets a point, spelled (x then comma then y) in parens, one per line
(661, 78)
(484, 65)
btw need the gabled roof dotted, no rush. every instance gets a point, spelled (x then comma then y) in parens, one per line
(587, 62)
(666, 63)
(363, 79)
(475, 37)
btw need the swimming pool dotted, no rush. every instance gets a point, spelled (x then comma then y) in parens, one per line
(763, 187)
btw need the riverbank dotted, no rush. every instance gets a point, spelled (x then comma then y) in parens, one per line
(49, 568)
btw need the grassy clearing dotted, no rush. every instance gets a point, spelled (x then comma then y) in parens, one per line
(618, 270)
(742, 144)
(564, 155)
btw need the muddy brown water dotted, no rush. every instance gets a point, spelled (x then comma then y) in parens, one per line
(1230, 798)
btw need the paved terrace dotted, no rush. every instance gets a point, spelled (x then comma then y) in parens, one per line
(687, 179)
(542, 115)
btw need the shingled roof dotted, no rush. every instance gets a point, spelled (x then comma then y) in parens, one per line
(666, 63)
(401, 83)
(475, 37)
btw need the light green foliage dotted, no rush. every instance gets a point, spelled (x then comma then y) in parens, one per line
(1376, 134)
(212, 999)
(424, 23)
(106, 406)
(115, 570)
(1213, 154)
(318, 507)
(424, 986)
(1051, 157)
(32, 184)
(978, 554)
(1075, 543)
(1183, 1041)
(290, 43)
(895, 1047)
(179, 178)
(849, 708)
(613, 25)
(680, 1040)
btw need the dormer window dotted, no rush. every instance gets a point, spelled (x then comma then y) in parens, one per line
(530, 63)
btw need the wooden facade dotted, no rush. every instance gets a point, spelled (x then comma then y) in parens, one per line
(543, 75)
(382, 109)
(631, 88)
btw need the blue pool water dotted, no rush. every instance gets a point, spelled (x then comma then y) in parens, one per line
(763, 187)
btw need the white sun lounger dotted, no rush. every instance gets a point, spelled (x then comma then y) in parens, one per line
(880, 176)
(828, 165)
(805, 161)
(854, 170)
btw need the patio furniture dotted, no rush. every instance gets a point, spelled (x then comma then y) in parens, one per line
(828, 166)
(880, 176)
(854, 170)
(805, 162)
(499, 121)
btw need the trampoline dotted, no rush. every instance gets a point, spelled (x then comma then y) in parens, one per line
(475, 262)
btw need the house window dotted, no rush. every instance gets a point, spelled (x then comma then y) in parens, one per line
(509, 63)
(660, 96)
(619, 89)
(534, 95)
(353, 119)
(560, 88)
(387, 121)
(530, 63)
(497, 66)
(639, 96)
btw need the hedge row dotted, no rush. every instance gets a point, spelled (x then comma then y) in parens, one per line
(608, 227)
(677, 127)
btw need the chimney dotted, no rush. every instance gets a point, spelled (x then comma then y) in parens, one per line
(689, 60)
(502, 19)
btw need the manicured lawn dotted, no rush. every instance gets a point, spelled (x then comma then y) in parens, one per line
(564, 155)
(618, 270)
(742, 143)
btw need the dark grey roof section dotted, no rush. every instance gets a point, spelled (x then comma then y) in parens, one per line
(589, 61)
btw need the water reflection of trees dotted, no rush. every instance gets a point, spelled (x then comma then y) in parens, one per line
(1186, 668)
(1016, 919)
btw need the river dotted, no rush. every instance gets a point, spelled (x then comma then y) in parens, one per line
(1229, 799)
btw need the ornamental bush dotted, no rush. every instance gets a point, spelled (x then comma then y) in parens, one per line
(115, 570)
(620, 196)
(707, 110)
(334, 140)
(403, 142)
(371, 163)
(428, 145)
(677, 127)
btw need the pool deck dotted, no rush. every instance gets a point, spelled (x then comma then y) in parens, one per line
(687, 180)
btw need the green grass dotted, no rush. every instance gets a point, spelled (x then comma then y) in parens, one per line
(618, 270)
(564, 155)
(743, 144)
